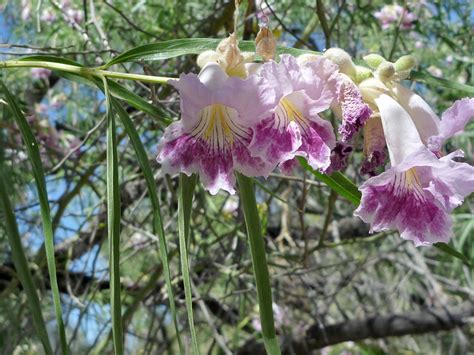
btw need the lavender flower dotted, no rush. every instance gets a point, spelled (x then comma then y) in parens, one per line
(213, 136)
(391, 14)
(294, 127)
(419, 191)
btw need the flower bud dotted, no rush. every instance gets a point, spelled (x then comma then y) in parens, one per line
(207, 57)
(401, 75)
(362, 73)
(374, 60)
(405, 63)
(342, 59)
(386, 71)
(306, 58)
(265, 43)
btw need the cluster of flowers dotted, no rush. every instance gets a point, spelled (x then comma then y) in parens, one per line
(393, 14)
(48, 15)
(237, 115)
(54, 144)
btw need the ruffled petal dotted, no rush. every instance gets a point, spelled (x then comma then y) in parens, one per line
(315, 148)
(453, 121)
(417, 196)
(339, 155)
(213, 136)
(275, 144)
(387, 204)
(294, 129)
(355, 112)
(318, 80)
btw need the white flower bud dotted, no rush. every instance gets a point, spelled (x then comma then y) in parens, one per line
(374, 60)
(386, 71)
(362, 73)
(342, 59)
(405, 63)
(207, 57)
(306, 58)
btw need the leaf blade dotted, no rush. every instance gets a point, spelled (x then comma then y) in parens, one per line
(186, 193)
(113, 225)
(337, 181)
(21, 265)
(157, 220)
(40, 181)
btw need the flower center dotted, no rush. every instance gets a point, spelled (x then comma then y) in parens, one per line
(409, 180)
(289, 110)
(218, 127)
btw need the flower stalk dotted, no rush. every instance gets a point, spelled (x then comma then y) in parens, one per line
(84, 71)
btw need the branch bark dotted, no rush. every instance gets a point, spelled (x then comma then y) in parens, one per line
(379, 326)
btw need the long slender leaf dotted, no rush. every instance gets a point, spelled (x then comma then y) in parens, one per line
(179, 47)
(165, 50)
(21, 264)
(123, 94)
(113, 225)
(259, 262)
(37, 167)
(336, 181)
(186, 192)
(157, 220)
(434, 81)
(115, 89)
(446, 248)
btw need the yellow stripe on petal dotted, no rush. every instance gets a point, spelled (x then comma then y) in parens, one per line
(289, 110)
(218, 126)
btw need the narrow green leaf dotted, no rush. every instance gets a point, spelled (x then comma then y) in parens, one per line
(157, 220)
(336, 181)
(123, 94)
(186, 192)
(178, 47)
(165, 50)
(37, 167)
(434, 81)
(446, 248)
(49, 58)
(259, 262)
(21, 264)
(113, 225)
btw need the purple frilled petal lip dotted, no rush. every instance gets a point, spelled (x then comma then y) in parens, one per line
(419, 191)
(339, 156)
(215, 130)
(294, 128)
(453, 121)
(355, 112)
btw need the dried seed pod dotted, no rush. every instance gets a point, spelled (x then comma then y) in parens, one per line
(265, 43)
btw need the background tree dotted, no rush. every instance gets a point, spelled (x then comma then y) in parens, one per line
(333, 283)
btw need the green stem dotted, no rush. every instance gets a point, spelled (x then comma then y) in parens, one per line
(83, 71)
(259, 262)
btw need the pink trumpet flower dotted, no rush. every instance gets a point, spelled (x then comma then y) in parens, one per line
(213, 136)
(418, 192)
